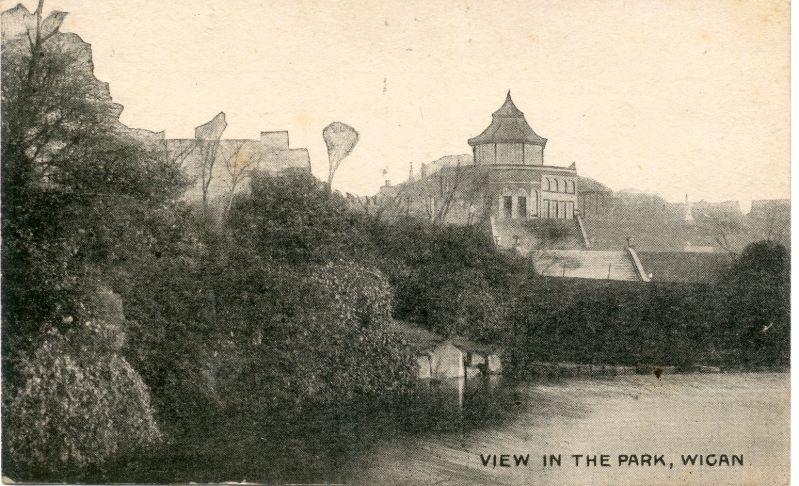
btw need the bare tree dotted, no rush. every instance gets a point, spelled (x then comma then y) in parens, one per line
(720, 225)
(774, 224)
(207, 137)
(467, 184)
(238, 165)
(391, 206)
(181, 151)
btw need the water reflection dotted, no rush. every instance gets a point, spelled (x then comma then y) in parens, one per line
(743, 413)
(437, 433)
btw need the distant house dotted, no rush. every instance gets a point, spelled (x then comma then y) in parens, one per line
(234, 161)
(446, 361)
(440, 358)
(479, 356)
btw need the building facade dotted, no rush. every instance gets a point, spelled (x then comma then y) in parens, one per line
(505, 178)
(521, 185)
(225, 168)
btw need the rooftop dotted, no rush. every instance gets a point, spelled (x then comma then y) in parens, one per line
(508, 125)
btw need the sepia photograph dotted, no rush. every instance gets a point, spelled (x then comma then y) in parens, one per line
(395, 243)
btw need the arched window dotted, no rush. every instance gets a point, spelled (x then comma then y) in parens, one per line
(570, 187)
(506, 203)
(547, 184)
(557, 185)
(521, 203)
(507, 206)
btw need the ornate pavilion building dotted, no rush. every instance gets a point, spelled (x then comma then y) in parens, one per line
(521, 185)
(567, 226)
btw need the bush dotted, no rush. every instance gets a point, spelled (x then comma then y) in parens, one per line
(363, 294)
(753, 306)
(357, 355)
(300, 335)
(449, 279)
(294, 218)
(741, 321)
(75, 412)
(80, 402)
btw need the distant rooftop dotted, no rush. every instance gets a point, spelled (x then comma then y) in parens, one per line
(508, 125)
(235, 160)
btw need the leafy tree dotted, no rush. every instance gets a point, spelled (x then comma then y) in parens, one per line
(84, 200)
(82, 194)
(753, 305)
(447, 278)
(293, 218)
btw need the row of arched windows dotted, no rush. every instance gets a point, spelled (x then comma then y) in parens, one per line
(553, 184)
(519, 204)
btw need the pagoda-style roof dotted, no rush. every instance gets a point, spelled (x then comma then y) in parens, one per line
(508, 125)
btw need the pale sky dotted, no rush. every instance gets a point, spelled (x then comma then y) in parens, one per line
(671, 97)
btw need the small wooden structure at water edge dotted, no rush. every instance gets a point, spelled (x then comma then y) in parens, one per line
(455, 357)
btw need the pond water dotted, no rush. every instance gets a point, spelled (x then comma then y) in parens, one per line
(438, 436)
(745, 414)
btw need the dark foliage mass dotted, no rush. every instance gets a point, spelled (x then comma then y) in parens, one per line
(741, 321)
(263, 315)
(450, 279)
(453, 281)
(83, 198)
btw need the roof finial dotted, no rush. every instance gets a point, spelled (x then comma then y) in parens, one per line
(507, 98)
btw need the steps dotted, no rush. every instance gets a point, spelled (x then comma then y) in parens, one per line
(558, 249)
(528, 235)
(591, 264)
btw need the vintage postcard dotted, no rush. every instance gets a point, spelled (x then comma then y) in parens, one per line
(406, 243)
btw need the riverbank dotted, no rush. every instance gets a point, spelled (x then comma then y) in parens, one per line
(440, 357)
(565, 369)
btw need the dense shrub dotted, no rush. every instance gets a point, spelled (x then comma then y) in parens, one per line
(608, 322)
(753, 306)
(740, 321)
(450, 279)
(324, 343)
(294, 218)
(173, 327)
(75, 411)
(362, 293)
(362, 358)
(302, 310)
(80, 402)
